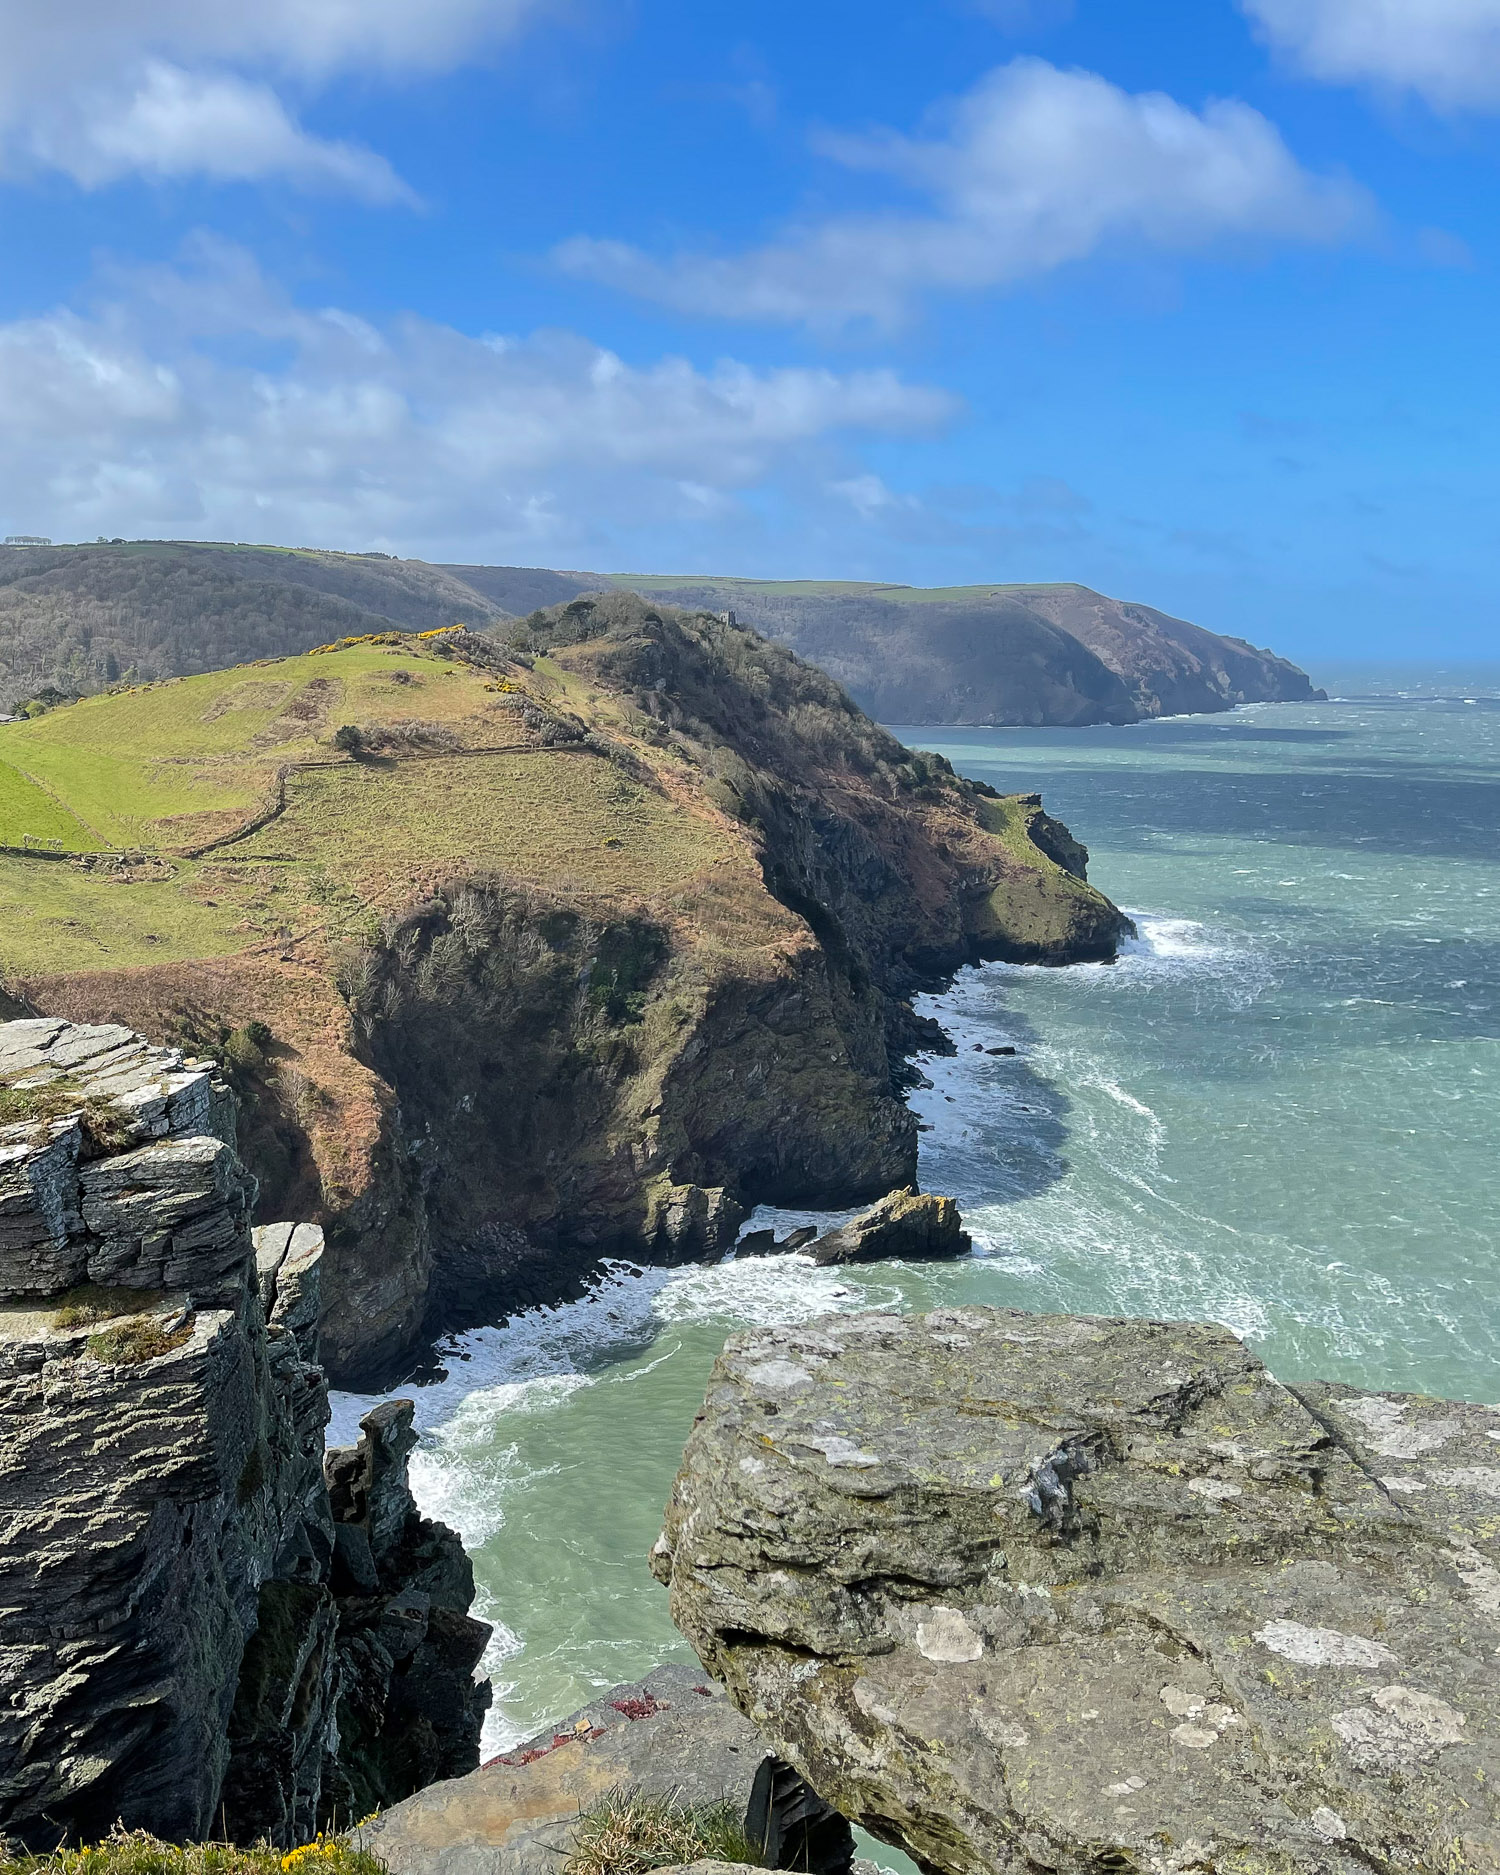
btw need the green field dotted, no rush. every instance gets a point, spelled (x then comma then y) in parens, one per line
(171, 768)
(29, 812)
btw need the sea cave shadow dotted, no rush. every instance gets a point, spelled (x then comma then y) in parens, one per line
(1384, 808)
(992, 1128)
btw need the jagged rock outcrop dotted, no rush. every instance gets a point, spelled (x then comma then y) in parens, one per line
(178, 1647)
(1042, 1593)
(673, 1734)
(908, 1223)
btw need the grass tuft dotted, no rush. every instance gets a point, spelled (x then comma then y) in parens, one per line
(105, 1129)
(91, 1302)
(134, 1852)
(631, 1832)
(140, 1339)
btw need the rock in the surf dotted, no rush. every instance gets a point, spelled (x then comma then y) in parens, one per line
(673, 1734)
(905, 1223)
(1035, 1593)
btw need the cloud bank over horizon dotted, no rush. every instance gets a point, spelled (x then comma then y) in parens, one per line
(199, 401)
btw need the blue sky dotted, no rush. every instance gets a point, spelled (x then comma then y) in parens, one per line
(1191, 300)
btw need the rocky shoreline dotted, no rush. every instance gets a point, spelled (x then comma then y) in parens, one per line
(1018, 1594)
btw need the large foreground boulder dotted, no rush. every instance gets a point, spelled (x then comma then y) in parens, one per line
(1044, 1593)
(907, 1223)
(671, 1735)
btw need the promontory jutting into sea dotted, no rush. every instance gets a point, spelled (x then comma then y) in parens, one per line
(584, 985)
(830, 1211)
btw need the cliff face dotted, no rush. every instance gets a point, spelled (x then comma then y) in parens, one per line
(1057, 654)
(625, 944)
(191, 1619)
(1035, 1593)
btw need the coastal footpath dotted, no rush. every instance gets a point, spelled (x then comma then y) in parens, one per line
(1031, 1594)
(209, 1626)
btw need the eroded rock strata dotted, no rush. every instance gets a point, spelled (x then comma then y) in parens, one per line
(199, 1631)
(1025, 1593)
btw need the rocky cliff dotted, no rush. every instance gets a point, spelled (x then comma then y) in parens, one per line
(585, 942)
(1041, 1594)
(1039, 654)
(207, 1625)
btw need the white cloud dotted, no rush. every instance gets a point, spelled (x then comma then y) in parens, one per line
(1447, 51)
(176, 123)
(170, 88)
(1034, 168)
(142, 418)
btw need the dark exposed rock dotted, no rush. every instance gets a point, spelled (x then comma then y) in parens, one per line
(1026, 1593)
(673, 1734)
(905, 1223)
(175, 1640)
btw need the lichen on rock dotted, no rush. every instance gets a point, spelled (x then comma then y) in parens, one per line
(963, 1572)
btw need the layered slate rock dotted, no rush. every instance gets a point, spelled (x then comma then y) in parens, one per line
(1042, 1593)
(673, 1734)
(906, 1223)
(177, 1647)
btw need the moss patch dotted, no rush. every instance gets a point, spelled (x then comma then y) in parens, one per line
(103, 1126)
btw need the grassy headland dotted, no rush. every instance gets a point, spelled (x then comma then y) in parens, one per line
(520, 953)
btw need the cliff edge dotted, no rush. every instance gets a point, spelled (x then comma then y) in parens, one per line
(1034, 1593)
(208, 1626)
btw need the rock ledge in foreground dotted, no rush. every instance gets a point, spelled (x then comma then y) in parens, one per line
(1032, 1593)
(673, 1734)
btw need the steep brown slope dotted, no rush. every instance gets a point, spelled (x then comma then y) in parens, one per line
(998, 654)
(1170, 667)
(623, 940)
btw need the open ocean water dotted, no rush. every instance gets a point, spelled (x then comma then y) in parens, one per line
(1280, 1110)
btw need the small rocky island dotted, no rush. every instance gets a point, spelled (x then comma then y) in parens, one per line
(208, 1625)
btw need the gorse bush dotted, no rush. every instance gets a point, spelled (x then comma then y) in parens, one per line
(631, 1832)
(134, 1852)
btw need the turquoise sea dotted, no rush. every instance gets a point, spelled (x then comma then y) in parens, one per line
(1280, 1110)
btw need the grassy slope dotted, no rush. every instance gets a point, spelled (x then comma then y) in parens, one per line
(159, 767)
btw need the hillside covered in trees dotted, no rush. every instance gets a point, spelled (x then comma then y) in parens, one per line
(74, 620)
